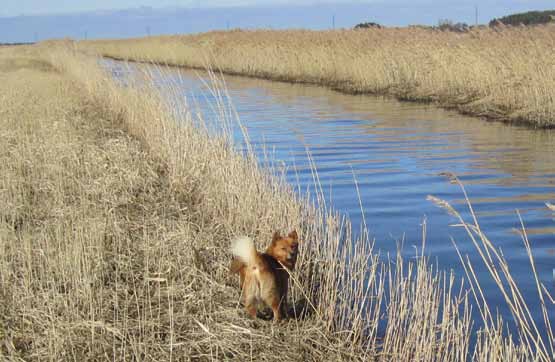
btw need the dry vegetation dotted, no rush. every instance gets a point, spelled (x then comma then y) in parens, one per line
(506, 73)
(114, 236)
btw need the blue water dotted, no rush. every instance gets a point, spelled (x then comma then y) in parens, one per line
(398, 153)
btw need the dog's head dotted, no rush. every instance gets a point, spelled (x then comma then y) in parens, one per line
(285, 248)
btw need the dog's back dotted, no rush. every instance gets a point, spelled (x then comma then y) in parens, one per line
(259, 279)
(264, 276)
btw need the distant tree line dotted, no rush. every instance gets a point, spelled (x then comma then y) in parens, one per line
(529, 18)
(443, 25)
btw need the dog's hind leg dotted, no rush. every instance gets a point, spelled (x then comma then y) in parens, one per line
(277, 309)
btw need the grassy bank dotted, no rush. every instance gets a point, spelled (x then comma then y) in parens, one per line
(504, 73)
(115, 232)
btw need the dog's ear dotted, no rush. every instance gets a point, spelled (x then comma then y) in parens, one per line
(293, 235)
(276, 237)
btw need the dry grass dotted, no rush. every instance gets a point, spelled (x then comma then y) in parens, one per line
(115, 231)
(503, 73)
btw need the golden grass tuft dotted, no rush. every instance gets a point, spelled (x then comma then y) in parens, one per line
(115, 232)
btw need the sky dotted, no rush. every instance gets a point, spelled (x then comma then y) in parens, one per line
(35, 20)
(34, 7)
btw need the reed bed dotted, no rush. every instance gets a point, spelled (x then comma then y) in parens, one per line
(503, 73)
(115, 232)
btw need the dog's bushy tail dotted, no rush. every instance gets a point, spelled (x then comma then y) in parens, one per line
(243, 249)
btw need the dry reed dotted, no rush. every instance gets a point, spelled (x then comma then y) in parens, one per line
(505, 73)
(115, 232)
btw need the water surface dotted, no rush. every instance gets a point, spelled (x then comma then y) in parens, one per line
(398, 153)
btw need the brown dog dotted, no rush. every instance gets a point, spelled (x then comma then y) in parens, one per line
(264, 276)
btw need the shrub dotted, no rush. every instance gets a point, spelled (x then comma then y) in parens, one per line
(368, 25)
(528, 18)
